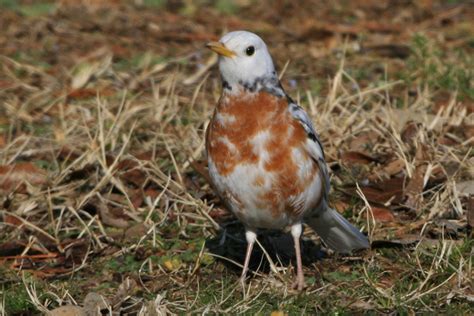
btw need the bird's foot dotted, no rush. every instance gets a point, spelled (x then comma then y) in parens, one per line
(298, 284)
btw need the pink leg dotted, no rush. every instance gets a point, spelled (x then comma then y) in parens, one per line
(296, 233)
(251, 237)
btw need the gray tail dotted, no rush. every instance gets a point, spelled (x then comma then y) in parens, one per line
(336, 232)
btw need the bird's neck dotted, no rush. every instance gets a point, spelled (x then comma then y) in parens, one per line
(270, 84)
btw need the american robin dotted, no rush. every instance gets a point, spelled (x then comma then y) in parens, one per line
(265, 159)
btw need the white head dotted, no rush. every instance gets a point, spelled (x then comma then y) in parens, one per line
(243, 59)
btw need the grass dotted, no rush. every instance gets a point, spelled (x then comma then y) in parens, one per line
(114, 201)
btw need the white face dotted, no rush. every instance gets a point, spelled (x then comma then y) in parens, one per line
(250, 59)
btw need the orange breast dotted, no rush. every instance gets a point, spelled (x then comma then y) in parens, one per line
(230, 141)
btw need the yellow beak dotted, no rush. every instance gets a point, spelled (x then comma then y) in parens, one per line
(220, 49)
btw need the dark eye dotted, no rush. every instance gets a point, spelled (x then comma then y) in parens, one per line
(250, 50)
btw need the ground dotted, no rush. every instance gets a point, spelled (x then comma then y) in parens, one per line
(104, 198)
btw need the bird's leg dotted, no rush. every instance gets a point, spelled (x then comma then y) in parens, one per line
(251, 236)
(296, 230)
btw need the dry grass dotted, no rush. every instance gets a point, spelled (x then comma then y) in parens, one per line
(103, 194)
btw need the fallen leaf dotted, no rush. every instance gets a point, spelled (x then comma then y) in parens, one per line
(12, 220)
(394, 167)
(111, 216)
(410, 131)
(84, 93)
(364, 141)
(384, 191)
(351, 157)
(382, 214)
(340, 206)
(16, 176)
(414, 188)
(136, 231)
(388, 50)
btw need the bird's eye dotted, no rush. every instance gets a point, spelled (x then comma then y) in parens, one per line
(250, 50)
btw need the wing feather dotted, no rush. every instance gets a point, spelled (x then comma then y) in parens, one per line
(314, 146)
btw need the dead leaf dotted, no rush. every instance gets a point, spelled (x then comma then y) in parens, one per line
(136, 231)
(340, 205)
(16, 176)
(87, 71)
(85, 93)
(112, 216)
(382, 214)
(351, 157)
(414, 189)
(388, 50)
(383, 191)
(394, 167)
(219, 214)
(12, 220)
(364, 141)
(410, 131)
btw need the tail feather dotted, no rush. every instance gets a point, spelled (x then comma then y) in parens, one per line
(336, 232)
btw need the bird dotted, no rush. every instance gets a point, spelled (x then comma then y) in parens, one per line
(265, 160)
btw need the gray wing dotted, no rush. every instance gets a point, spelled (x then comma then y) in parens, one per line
(314, 146)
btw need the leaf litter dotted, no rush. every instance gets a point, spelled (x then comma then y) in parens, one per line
(105, 203)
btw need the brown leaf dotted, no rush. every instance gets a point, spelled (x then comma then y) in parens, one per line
(382, 214)
(219, 213)
(389, 50)
(363, 141)
(415, 185)
(410, 131)
(84, 93)
(14, 177)
(112, 216)
(392, 168)
(340, 206)
(350, 157)
(384, 191)
(131, 171)
(12, 220)
(136, 231)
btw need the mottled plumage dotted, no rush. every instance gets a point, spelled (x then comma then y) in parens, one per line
(265, 158)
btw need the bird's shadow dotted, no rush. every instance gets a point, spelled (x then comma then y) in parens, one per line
(230, 246)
